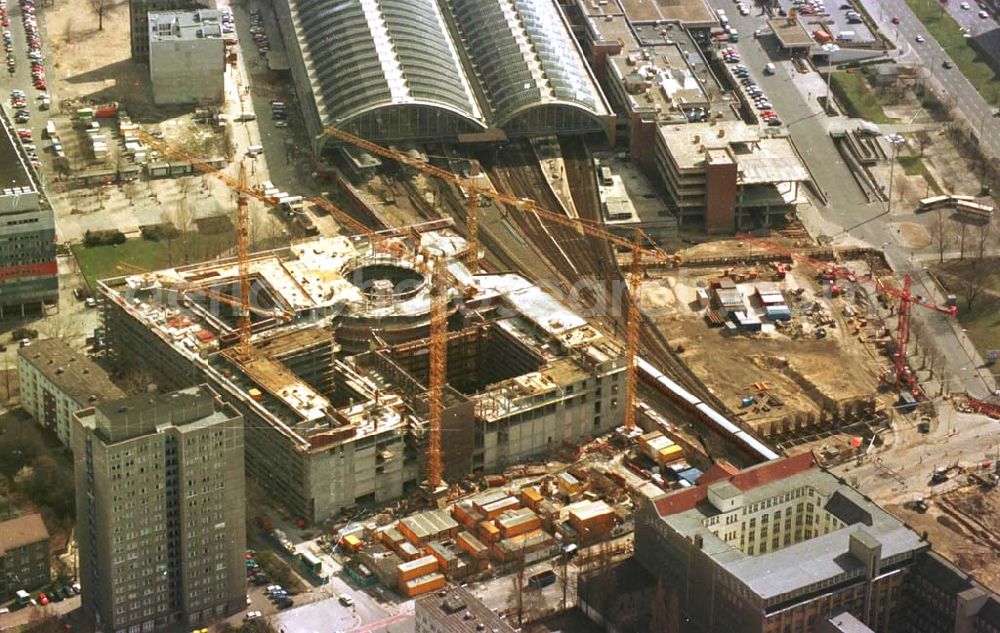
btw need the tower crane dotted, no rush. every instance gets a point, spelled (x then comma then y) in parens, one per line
(903, 375)
(243, 347)
(437, 374)
(641, 255)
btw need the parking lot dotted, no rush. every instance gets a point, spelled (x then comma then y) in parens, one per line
(833, 14)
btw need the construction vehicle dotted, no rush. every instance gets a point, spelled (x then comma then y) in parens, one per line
(903, 376)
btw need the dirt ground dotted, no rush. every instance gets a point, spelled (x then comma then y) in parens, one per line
(961, 525)
(793, 362)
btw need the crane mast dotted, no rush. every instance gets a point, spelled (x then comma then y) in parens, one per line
(438, 358)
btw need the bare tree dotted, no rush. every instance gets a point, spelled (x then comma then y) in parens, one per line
(982, 241)
(923, 140)
(940, 234)
(973, 286)
(100, 7)
(961, 239)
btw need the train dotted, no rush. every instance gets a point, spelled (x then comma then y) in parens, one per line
(746, 442)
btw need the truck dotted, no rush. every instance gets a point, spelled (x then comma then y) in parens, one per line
(542, 579)
(846, 36)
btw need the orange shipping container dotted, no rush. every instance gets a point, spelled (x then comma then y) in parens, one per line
(424, 584)
(492, 510)
(471, 545)
(531, 497)
(417, 568)
(489, 532)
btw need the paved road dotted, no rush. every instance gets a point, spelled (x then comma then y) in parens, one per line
(950, 80)
(894, 476)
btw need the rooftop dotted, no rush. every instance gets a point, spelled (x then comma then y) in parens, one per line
(660, 68)
(71, 372)
(760, 159)
(147, 413)
(690, 13)
(791, 33)
(455, 610)
(165, 26)
(320, 299)
(795, 567)
(14, 173)
(24, 530)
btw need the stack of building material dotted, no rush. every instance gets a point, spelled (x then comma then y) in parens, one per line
(591, 518)
(516, 522)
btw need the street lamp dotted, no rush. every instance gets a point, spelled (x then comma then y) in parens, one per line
(894, 140)
(829, 49)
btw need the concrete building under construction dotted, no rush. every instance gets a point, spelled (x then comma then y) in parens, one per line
(334, 391)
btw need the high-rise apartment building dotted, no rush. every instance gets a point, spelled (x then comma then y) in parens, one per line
(28, 271)
(160, 510)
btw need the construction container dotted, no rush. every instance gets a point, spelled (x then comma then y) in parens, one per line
(428, 526)
(591, 518)
(408, 551)
(489, 532)
(568, 484)
(495, 509)
(669, 454)
(416, 568)
(484, 500)
(517, 522)
(652, 443)
(391, 537)
(690, 475)
(471, 545)
(447, 560)
(530, 497)
(422, 585)
(466, 514)
(350, 543)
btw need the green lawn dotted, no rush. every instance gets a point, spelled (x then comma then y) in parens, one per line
(100, 262)
(949, 35)
(982, 322)
(915, 166)
(855, 94)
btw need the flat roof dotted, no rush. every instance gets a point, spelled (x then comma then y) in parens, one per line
(791, 33)
(13, 168)
(690, 13)
(774, 574)
(173, 26)
(659, 69)
(71, 372)
(760, 159)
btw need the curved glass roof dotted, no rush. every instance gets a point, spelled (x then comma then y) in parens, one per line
(526, 55)
(372, 53)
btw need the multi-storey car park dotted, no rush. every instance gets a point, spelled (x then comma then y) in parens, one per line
(333, 392)
(439, 69)
(28, 272)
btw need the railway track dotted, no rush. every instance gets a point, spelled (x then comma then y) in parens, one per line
(655, 347)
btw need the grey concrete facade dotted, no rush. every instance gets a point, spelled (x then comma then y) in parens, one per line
(28, 272)
(161, 505)
(186, 56)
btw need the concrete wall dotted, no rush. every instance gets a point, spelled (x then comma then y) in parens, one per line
(187, 71)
